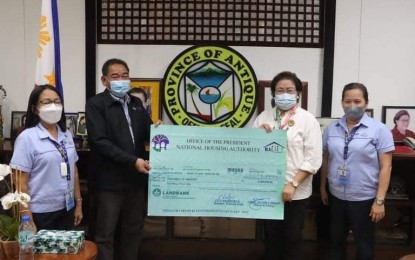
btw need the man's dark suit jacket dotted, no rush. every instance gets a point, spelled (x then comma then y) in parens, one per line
(113, 153)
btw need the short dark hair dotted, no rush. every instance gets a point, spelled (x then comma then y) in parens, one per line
(32, 118)
(400, 113)
(139, 90)
(355, 85)
(113, 61)
(286, 75)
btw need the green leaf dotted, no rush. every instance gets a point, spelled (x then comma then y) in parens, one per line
(223, 103)
(191, 88)
(9, 228)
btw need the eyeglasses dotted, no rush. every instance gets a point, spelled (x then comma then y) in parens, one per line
(48, 102)
(281, 91)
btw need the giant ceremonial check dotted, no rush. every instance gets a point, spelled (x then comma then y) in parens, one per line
(216, 172)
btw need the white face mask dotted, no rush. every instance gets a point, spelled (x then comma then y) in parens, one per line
(50, 114)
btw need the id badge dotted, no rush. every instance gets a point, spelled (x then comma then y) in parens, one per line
(69, 198)
(64, 169)
(343, 175)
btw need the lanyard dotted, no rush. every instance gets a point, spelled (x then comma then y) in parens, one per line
(62, 150)
(278, 118)
(124, 104)
(347, 139)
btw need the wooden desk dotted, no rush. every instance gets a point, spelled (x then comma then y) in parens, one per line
(403, 166)
(89, 252)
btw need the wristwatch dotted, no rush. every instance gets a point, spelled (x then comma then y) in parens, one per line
(294, 183)
(379, 202)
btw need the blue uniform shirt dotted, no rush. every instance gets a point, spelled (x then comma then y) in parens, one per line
(362, 164)
(35, 153)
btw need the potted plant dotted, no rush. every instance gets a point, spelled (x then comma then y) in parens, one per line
(9, 222)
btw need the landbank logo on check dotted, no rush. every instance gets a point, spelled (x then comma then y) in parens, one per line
(159, 142)
(170, 193)
(157, 192)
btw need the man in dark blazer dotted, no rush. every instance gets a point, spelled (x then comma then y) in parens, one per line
(118, 126)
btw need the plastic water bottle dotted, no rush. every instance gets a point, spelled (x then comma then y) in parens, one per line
(26, 233)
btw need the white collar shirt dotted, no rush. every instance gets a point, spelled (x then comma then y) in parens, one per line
(304, 146)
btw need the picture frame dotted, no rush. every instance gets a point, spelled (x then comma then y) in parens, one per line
(18, 122)
(152, 89)
(264, 95)
(325, 121)
(81, 125)
(389, 112)
(71, 122)
(369, 112)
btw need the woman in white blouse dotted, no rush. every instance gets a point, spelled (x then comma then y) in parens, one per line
(283, 238)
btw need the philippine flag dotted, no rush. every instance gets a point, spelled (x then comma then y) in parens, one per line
(48, 68)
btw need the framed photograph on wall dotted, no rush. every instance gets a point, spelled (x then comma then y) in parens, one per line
(401, 117)
(81, 125)
(71, 122)
(150, 96)
(265, 97)
(18, 123)
(369, 112)
(325, 121)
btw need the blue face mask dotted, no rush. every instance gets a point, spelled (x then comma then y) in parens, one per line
(285, 101)
(119, 88)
